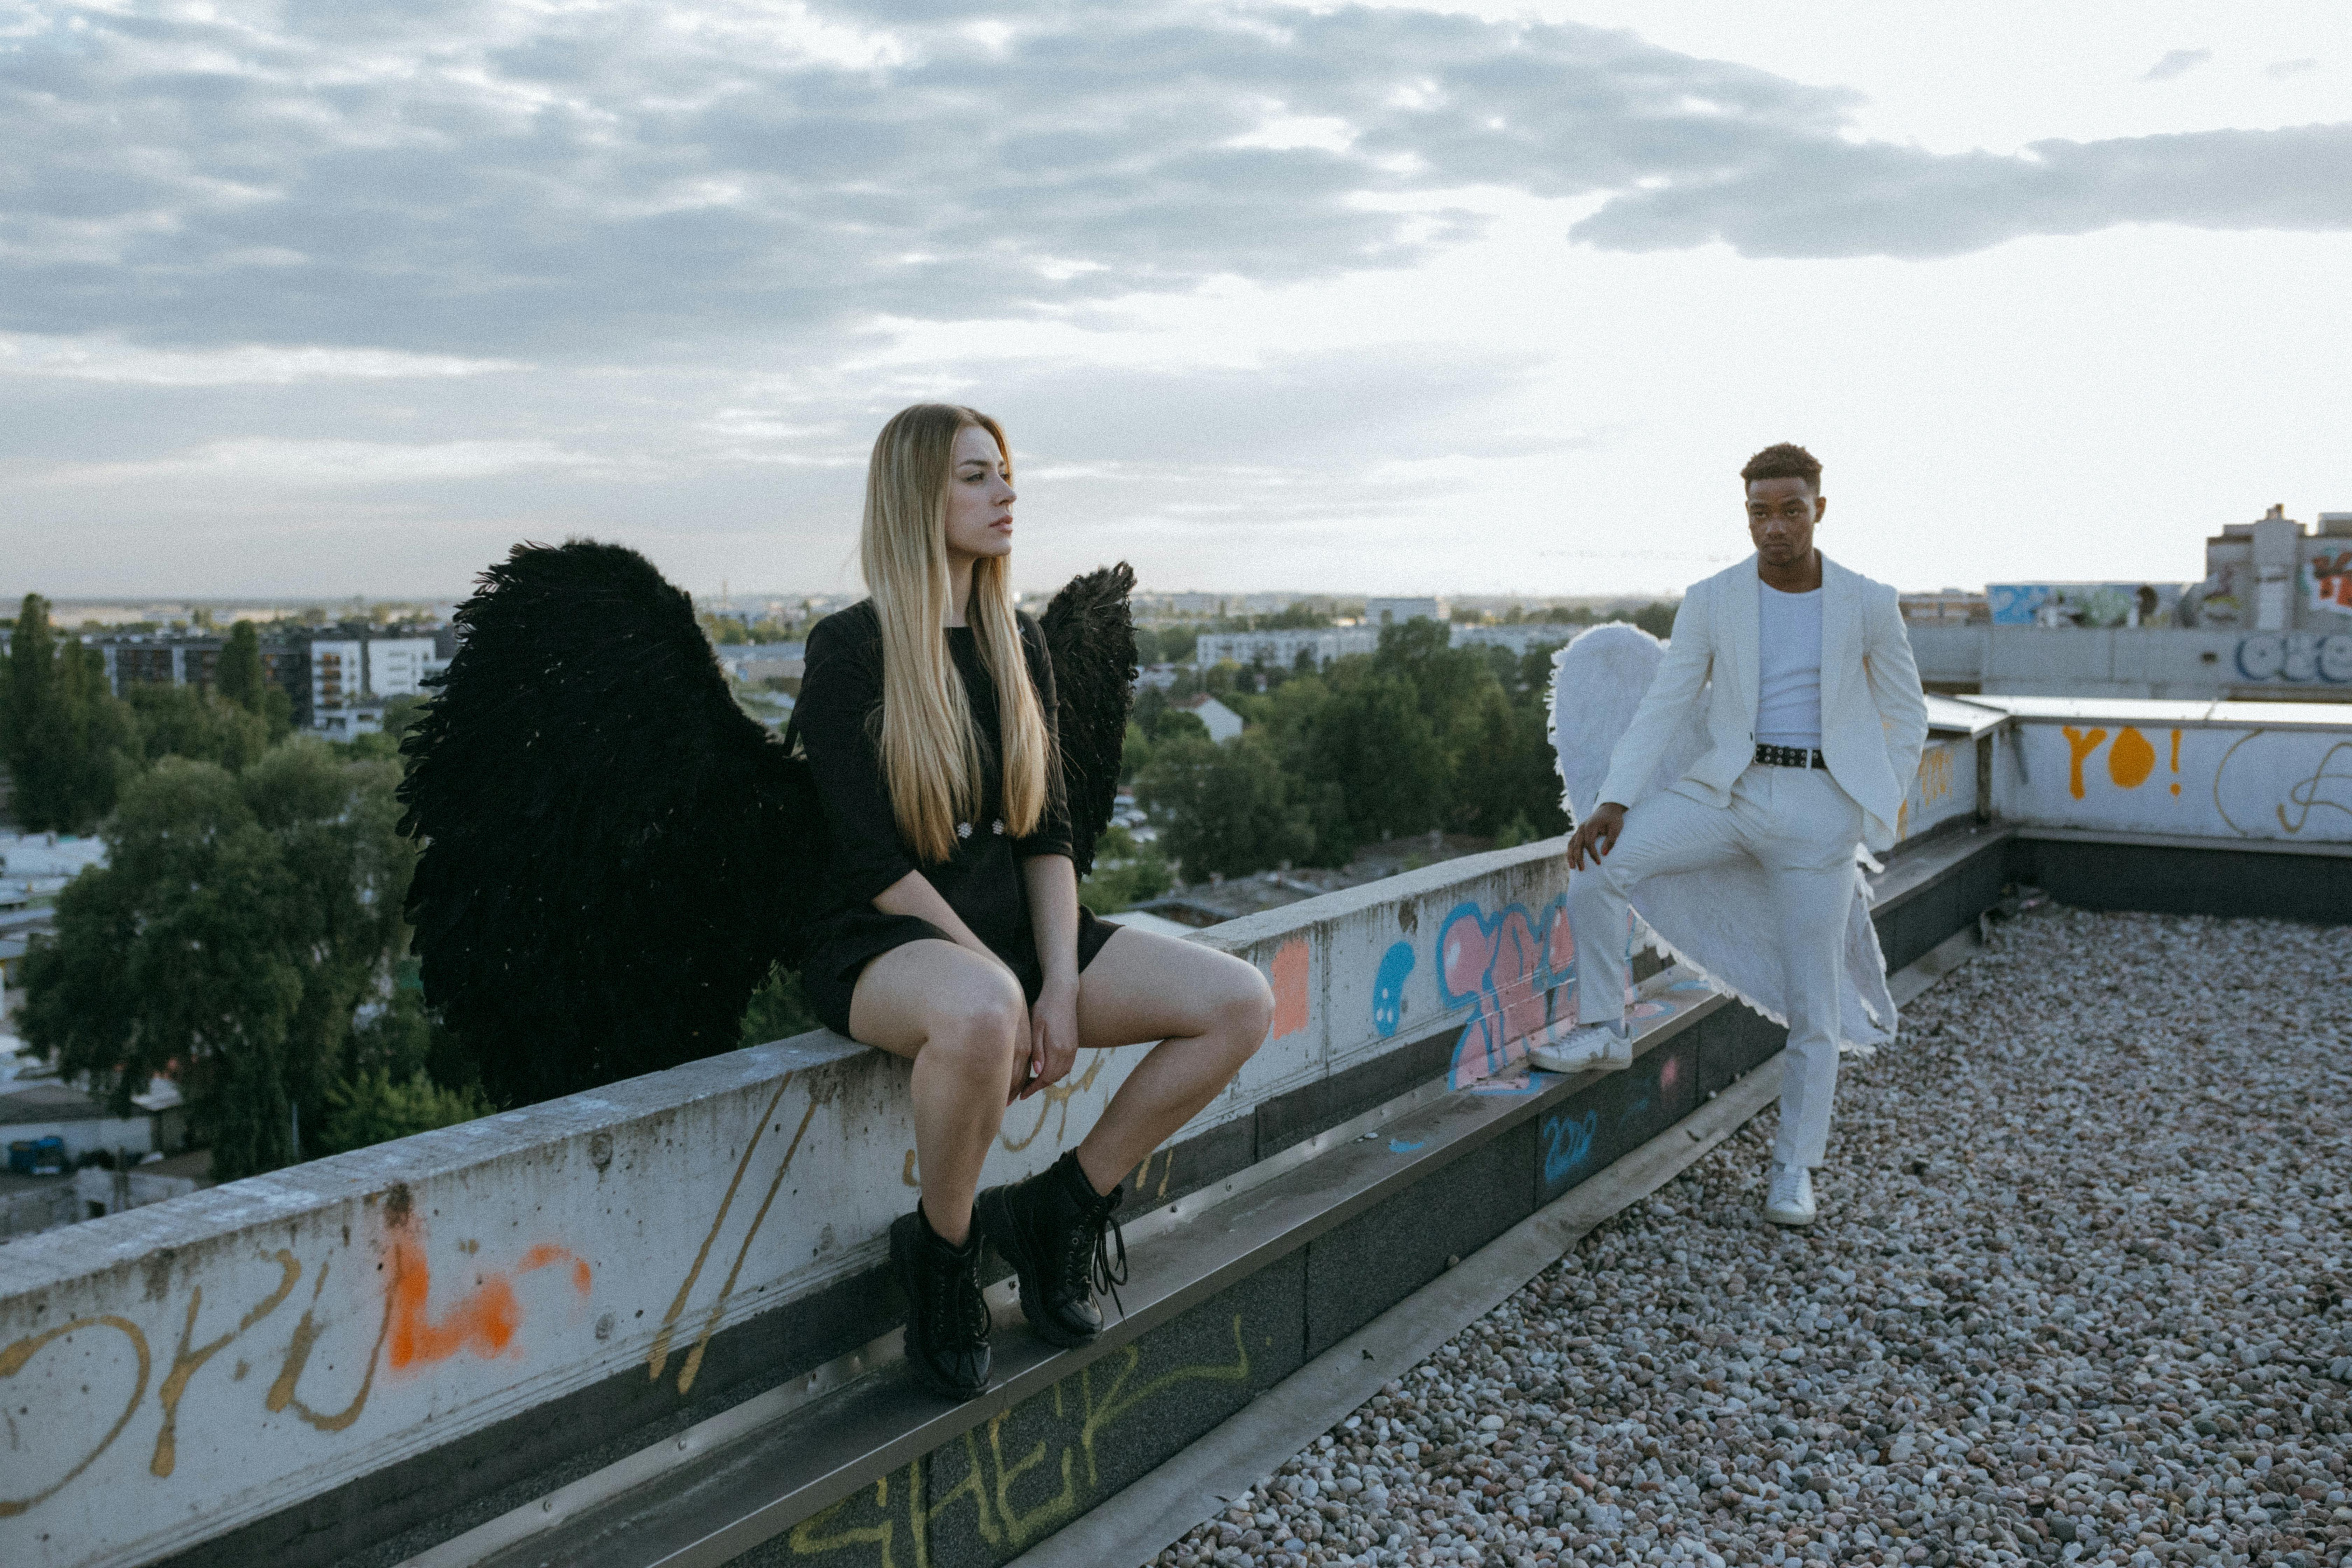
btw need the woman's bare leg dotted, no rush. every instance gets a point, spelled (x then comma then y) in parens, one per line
(955, 1015)
(1208, 1010)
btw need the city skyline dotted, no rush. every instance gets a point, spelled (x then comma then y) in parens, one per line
(1488, 300)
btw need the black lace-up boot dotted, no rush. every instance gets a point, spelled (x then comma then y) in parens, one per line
(1051, 1228)
(947, 1321)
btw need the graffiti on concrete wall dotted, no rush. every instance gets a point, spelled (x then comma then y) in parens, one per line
(1945, 787)
(88, 1378)
(1014, 1479)
(1388, 989)
(1510, 968)
(1517, 973)
(2301, 657)
(2198, 781)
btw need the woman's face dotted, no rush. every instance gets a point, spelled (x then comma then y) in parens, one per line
(980, 497)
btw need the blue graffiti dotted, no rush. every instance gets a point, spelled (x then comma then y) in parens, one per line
(1507, 966)
(1388, 988)
(1568, 1143)
(1518, 969)
(1398, 1146)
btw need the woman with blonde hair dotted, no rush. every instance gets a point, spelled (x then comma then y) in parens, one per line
(953, 935)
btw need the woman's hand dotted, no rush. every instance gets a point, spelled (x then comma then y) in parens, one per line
(1025, 1054)
(1053, 1035)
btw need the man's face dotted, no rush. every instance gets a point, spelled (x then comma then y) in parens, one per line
(1781, 517)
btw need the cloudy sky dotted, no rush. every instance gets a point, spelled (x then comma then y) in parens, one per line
(315, 297)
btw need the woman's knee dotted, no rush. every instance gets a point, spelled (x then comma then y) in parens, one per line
(977, 1018)
(1244, 1007)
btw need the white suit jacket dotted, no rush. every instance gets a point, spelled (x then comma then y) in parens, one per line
(1873, 718)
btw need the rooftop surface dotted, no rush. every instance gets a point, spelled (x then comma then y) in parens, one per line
(2039, 1318)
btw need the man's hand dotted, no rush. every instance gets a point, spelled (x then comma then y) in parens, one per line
(1596, 834)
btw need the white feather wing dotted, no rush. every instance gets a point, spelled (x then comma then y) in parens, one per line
(1598, 682)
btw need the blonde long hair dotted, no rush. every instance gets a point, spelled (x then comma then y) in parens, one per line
(931, 758)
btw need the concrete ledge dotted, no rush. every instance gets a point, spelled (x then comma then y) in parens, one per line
(1362, 1250)
(360, 1357)
(438, 1319)
(2207, 879)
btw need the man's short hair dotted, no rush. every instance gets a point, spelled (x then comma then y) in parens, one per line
(1785, 461)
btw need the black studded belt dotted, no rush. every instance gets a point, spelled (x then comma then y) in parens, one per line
(1789, 757)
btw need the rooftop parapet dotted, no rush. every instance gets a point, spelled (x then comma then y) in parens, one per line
(294, 1351)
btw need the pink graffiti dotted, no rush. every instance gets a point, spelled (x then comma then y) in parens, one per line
(1511, 967)
(1519, 973)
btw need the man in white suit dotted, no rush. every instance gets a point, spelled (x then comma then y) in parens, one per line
(1813, 722)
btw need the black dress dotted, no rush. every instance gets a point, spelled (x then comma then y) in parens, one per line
(837, 719)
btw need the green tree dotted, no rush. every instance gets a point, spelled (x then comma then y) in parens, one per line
(203, 726)
(66, 738)
(278, 712)
(1126, 873)
(373, 1107)
(1657, 618)
(1135, 752)
(1177, 643)
(1179, 724)
(238, 674)
(1483, 743)
(777, 1010)
(238, 926)
(1224, 808)
(1372, 744)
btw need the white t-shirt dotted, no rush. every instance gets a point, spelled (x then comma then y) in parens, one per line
(1788, 691)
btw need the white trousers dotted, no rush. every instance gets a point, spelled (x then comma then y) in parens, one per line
(1803, 830)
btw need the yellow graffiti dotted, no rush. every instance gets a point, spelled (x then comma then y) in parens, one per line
(1142, 1181)
(2131, 758)
(1057, 1095)
(804, 1538)
(281, 1395)
(1934, 776)
(2082, 744)
(1048, 1516)
(711, 1323)
(2305, 795)
(186, 1363)
(989, 1477)
(659, 1356)
(1119, 1401)
(983, 1522)
(12, 1361)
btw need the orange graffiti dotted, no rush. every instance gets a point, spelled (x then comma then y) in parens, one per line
(2082, 744)
(484, 1322)
(1290, 1008)
(2131, 758)
(2176, 760)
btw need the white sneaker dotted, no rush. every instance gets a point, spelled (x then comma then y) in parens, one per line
(1790, 1201)
(1596, 1047)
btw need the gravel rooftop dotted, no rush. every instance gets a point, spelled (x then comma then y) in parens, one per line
(2078, 1293)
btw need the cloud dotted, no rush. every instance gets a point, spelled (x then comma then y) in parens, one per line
(466, 181)
(2278, 70)
(2179, 62)
(108, 359)
(1873, 199)
(291, 464)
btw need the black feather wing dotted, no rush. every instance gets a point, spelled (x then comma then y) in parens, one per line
(1090, 635)
(614, 852)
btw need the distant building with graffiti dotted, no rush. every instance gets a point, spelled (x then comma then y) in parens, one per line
(2271, 620)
